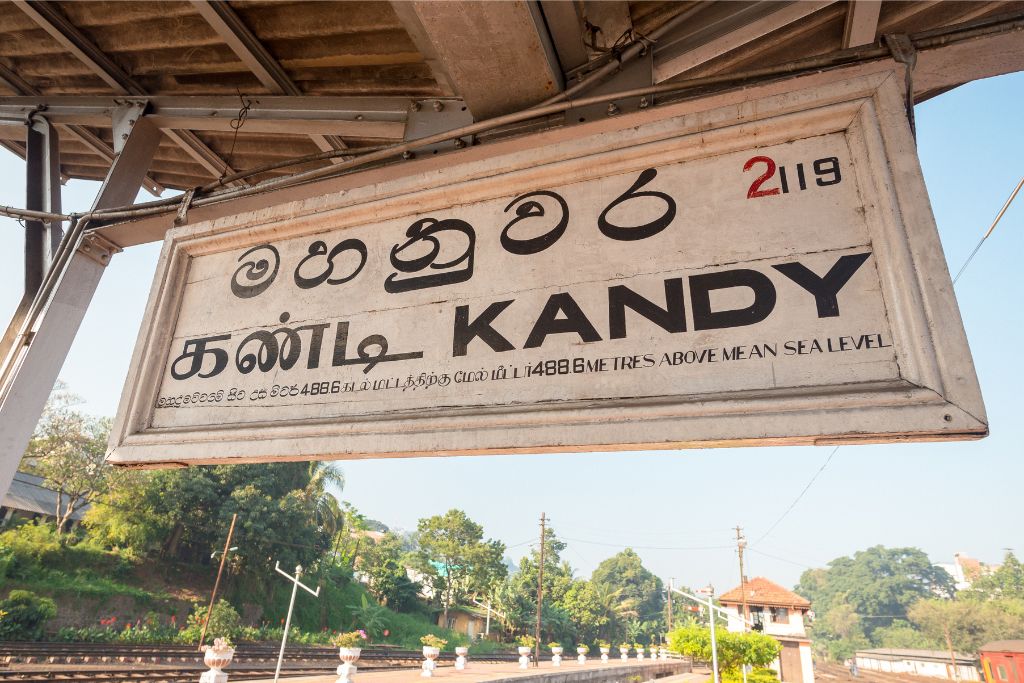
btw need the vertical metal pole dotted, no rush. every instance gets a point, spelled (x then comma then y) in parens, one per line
(540, 595)
(216, 584)
(714, 640)
(287, 622)
(487, 626)
(42, 193)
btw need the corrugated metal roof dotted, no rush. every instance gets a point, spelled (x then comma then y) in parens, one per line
(28, 494)
(333, 48)
(890, 654)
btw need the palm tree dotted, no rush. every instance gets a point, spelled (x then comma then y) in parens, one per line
(322, 505)
(614, 608)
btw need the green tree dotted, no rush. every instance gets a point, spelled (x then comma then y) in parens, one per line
(387, 579)
(68, 450)
(733, 649)
(965, 625)
(455, 559)
(857, 595)
(639, 589)
(582, 605)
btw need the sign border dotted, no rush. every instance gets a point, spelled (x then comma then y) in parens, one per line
(937, 397)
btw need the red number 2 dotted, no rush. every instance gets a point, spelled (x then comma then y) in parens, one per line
(754, 191)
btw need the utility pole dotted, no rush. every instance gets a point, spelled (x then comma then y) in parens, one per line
(741, 543)
(671, 586)
(540, 593)
(216, 584)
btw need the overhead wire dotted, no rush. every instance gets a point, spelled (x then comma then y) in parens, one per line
(799, 497)
(991, 229)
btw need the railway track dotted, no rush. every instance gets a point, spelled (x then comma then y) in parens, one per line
(114, 662)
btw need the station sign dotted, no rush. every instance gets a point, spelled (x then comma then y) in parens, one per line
(760, 270)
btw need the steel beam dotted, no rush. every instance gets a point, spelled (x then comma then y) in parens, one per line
(861, 22)
(42, 193)
(376, 117)
(498, 55)
(729, 27)
(51, 20)
(565, 25)
(31, 364)
(80, 133)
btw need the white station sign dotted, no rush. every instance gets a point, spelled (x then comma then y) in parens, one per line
(764, 270)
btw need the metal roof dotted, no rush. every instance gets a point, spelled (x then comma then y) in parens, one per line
(890, 654)
(28, 494)
(333, 75)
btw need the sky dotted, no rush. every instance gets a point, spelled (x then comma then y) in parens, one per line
(678, 509)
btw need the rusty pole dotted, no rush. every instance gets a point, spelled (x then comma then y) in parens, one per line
(216, 584)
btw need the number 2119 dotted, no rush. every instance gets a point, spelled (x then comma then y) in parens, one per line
(826, 172)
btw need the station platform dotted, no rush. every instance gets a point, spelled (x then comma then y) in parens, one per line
(570, 672)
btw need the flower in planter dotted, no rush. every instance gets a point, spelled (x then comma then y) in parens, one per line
(430, 640)
(552, 646)
(349, 640)
(584, 649)
(221, 645)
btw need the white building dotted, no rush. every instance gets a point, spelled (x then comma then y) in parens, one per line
(930, 663)
(965, 570)
(779, 613)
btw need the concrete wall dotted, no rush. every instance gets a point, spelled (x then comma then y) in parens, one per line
(916, 667)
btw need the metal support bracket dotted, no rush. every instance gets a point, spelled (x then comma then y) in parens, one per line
(638, 73)
(904, 52)
(429, 117)
(98, 248)
(124, 119)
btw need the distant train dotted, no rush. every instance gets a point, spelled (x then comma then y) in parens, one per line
(1002, 661)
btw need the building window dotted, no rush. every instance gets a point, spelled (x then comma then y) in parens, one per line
(780, 615)
(1001, 672)
(451, 623)
(757, 618)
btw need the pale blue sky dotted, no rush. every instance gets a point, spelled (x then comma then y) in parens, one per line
(942, 498)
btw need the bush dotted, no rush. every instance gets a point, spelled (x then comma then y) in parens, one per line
(24, 614)
(224, 623)
(755, 676)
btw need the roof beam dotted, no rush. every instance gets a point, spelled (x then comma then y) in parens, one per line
(51, 20)
(515, 67)
(733, 27)
(371, 117)
(80, 133)
(611, 16)
(243, 42)
(565, 25)
(861, 22)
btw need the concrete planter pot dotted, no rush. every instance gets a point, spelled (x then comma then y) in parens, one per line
(430, 655)
(347, 670)
(524, 657)
(582, 658)
(216, 659)
(604, 654)
(556, 656)
(460, 657)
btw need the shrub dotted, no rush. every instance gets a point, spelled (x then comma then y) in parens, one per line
(224, 623)
(25, 614)
(755, 676)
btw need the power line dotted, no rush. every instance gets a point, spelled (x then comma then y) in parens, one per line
(620, 545)
(797, 499)
(780, 559)
(995, 222)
